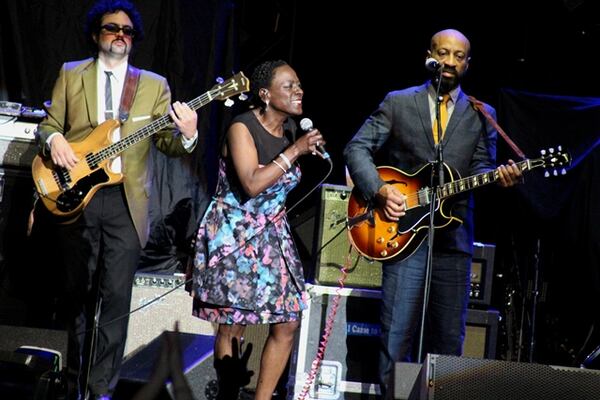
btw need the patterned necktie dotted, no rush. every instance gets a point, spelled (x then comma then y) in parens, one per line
(443, 118)
(108, 103)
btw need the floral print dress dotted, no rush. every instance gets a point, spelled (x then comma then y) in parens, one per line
(246, 266)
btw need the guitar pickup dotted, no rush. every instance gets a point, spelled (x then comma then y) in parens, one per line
(62, 177)
(424, 196)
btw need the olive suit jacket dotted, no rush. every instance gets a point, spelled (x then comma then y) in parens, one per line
(73, 112)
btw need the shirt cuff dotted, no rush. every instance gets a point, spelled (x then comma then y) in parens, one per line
(49, 140)
(188, 144)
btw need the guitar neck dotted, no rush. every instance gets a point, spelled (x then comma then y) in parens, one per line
(150, 129)
(475, 181)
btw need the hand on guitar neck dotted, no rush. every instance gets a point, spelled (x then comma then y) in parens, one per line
(509, 175)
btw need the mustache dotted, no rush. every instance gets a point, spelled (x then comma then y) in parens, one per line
(451, 70)
(119, 40)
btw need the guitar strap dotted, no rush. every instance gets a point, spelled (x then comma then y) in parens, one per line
(478, 105)
(132, 77)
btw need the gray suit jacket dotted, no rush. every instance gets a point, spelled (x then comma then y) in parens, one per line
(401, 129)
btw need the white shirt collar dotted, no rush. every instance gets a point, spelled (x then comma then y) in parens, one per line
(118, 72)
(453, 93)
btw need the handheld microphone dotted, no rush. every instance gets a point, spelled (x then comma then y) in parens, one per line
(307, 125)
(432, 64)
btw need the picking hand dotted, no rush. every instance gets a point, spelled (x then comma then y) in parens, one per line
(392, 202)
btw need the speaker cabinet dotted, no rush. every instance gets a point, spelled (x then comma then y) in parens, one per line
(405, 377)
(481, 334)
(37, 370)
(157, 302)
(198, 364)
(451, 378)
(14, 337)
(333, 245)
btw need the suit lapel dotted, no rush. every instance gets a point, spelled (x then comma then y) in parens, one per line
(457, 114)
(422, 101)
(91, 92)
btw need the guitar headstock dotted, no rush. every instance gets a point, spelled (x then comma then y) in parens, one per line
(554, 160)
(237, 84)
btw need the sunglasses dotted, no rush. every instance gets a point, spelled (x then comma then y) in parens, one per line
(114, 29)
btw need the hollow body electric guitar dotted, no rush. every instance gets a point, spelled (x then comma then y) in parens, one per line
(377, 238)
(65, 193)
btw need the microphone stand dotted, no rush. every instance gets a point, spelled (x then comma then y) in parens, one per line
(437, 166)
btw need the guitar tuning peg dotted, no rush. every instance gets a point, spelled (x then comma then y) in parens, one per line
(559, 148)
(546, 174)
(243, 97)
(563, 171)
(228, 103)
(551, 150)
(543, 152)
(219, 80)
(555, 173)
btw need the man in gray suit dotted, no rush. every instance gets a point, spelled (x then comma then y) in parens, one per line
(404, 125)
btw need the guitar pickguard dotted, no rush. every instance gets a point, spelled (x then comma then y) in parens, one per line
(71, 198)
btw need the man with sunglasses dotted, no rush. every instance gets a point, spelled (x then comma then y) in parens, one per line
(100, 250)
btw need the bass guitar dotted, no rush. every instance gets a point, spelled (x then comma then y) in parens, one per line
(65, 193)
(378, 238)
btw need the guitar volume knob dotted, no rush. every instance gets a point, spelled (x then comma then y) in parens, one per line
(380, 240)
(383, 253)
(393, 245)
(390, 229)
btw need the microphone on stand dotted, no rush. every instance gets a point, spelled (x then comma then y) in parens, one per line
(432, 64)
(307, 125)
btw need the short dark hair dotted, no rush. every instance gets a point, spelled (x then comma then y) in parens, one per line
(262, 78)
(103, 7)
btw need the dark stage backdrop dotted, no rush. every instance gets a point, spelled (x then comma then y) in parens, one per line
(348, 59)
(549, 226)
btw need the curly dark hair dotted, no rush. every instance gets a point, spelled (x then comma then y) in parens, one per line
(262, 78)
(102, 7)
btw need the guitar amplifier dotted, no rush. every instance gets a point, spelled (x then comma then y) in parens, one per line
(482, 268)
(157, 302)
(17, 142)
(333, 246)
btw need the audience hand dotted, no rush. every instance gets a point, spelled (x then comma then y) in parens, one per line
(168, 365)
